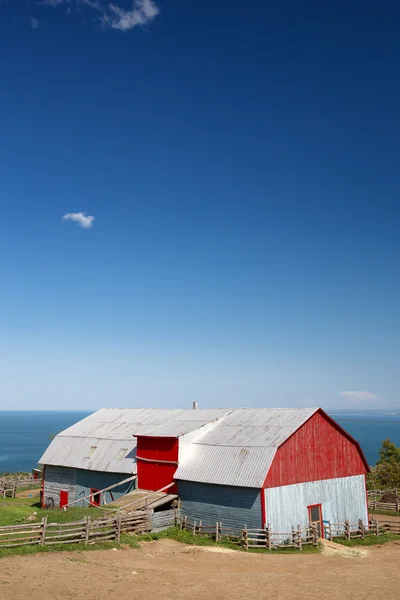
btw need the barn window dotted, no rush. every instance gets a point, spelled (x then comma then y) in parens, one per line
(92, 450)
(121, 454)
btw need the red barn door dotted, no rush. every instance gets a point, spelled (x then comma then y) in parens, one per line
(63, 498)
(157, 461)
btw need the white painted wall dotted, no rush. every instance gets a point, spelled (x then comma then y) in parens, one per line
(341, 499)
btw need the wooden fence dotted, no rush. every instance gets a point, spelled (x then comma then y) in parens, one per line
(254, 538)
(375, 500)
(374, 504)
(86, 531)
(11, 484)
(296, 538)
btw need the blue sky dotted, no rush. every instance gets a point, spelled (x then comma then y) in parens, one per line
(240, 163)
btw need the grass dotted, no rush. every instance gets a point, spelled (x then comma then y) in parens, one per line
(369, 540)
(386, 513)
(186, 537)
(14, 511)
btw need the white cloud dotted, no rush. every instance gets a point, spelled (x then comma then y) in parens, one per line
(35, 23)
(95, 4)
(52, 2)
(83, 220)
(142, 12)
(360, 396)
(112, 15)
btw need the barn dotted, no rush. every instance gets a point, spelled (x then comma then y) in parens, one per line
(99, 452)
(281, 467)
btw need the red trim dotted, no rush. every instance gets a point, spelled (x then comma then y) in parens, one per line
(320, 512)
(43, 474)
(263, 508)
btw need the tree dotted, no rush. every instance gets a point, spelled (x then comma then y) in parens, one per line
(389, 453)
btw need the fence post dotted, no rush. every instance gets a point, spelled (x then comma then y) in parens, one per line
(397, 503)
(217, 531)
(314, 533)
(245, 536)
(87, 530)
(361, 528)
(347, 531)
(299, 540)
(43, 531)
(194, 528)
(377, 527)
(118, 527)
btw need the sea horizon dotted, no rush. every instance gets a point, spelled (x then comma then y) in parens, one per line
(25, 434)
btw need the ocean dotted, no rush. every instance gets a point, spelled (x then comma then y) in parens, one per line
(25, 435)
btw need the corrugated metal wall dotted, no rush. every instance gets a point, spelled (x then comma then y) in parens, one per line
(234, 506)
(342, 498)
(59, 479)
(78, 484)
(87, 480)
(318, 450)
(163, 519)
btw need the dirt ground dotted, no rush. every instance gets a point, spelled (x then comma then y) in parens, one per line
(167, 570)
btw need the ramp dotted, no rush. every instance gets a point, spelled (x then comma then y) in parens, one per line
(142, 499)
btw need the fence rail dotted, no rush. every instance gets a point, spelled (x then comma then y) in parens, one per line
(82, 532)
(389, 506)
(9, 485)
(296, 538)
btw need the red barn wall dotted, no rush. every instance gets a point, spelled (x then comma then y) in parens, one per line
(318, 450)
(162, 461)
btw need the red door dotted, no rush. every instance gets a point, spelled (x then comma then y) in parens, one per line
(94, 497)
(63, 498)
(315, 516)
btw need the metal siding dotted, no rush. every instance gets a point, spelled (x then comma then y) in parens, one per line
(316, 451)
(74, 452)
(87, 480)
(163, 519)
(57, 479)
(227, 465)
(118, 423)
(113, 429)
(342, 498)
(239, 450)
(234, 506)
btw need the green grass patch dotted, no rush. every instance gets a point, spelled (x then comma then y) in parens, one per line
(28, 550)
(386, 513)
(186, 537)
(14, 511)
(369, 540)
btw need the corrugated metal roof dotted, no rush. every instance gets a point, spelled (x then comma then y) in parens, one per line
(111, 429)
(76, 452)
(243, 466)
(240, 449)
(113, 423)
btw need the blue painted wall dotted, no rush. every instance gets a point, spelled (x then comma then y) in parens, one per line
(86, 480)
(78, 483)
(234, 506)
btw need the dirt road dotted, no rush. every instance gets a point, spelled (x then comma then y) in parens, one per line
(166, 570)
